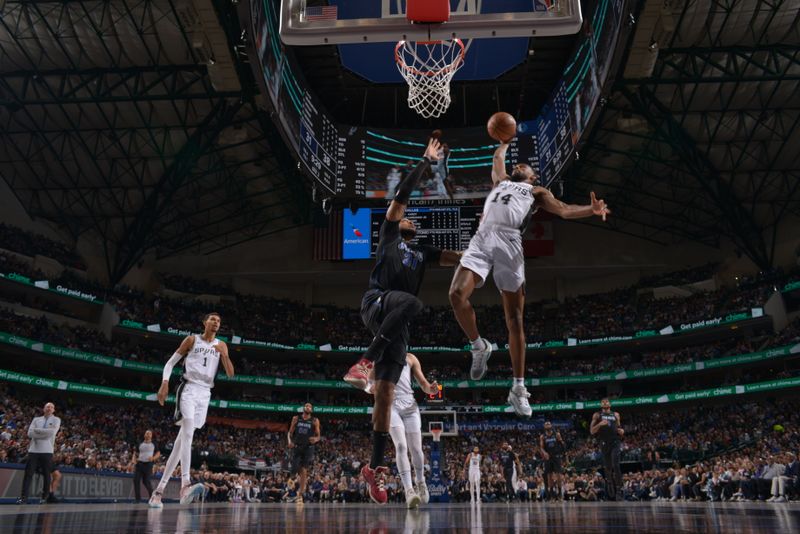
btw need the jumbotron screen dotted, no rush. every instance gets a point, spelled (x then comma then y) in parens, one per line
(464, 168)
(445, 227)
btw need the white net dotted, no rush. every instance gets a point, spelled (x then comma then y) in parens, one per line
(428, 67)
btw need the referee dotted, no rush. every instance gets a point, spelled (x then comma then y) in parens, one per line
(143, 471)
(606, 425)
(42, 432)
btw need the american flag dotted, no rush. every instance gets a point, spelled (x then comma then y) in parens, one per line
(328, 236)
(322, 12)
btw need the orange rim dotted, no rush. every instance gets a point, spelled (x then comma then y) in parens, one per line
(454, 65)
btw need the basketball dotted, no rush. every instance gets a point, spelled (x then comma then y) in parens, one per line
(436, 134)
(502, 127)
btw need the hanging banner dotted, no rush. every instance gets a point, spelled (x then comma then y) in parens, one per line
(46, 286)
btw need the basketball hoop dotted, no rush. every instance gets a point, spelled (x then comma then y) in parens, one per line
(437, 434)
(428, 67)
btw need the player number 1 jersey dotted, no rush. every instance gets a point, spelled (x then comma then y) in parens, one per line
(200, 366)
(508, 205)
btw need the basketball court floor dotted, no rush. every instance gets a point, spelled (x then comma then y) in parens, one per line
(367, 518)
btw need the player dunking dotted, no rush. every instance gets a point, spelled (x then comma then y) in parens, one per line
(386, 309)
(551, 447)
(498, 245)
(202, 355)
(406, 431)
(473, 466)
(304, 433)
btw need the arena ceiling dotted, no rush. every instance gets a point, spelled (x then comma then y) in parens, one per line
(137, 121)
(698, 137)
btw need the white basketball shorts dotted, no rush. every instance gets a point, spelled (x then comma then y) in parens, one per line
(500, 250)
(474, 475)
(192, 401)
(405, 414)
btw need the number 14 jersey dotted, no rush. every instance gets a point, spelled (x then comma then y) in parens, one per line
(508, 205)
(200, 365)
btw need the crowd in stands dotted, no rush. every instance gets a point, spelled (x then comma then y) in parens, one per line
(710, 452)
(251, 363)
(594, 316)
(186, 284)
(714, 452)
(682, 277)
(614, 313)
(31, 244)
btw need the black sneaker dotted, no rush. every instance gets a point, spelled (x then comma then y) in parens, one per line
(52, 499)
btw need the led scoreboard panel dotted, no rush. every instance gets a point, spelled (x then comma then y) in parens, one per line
(554, 133)
(334, 155)
(445, 227)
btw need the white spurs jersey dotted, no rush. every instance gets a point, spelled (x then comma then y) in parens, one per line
(474, 462)
(403, 388)
(200, 365)
(508, 206)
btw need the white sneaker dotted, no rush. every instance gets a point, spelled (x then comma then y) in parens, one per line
(479, 359)
(155, 500)
(412, 499)
(771, 499)
(780, 498)
(186, 495)
(673, 499)
(422, 491)
(518, 399)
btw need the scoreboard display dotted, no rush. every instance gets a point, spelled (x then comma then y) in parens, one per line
(334, 155)
(445, 227)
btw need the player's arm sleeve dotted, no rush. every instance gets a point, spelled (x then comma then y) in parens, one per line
(390, 230)
(410, 182)
(170, 365)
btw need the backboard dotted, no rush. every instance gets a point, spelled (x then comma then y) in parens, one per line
(446, 419)
(306, 23)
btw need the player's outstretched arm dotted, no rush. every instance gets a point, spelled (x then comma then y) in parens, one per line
(397, 209)
(416, 369)
(225, 358)
(552, 205)
(499, 164)
(184, 348)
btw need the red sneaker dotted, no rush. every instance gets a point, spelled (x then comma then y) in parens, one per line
(374, 479)
(358, 375)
